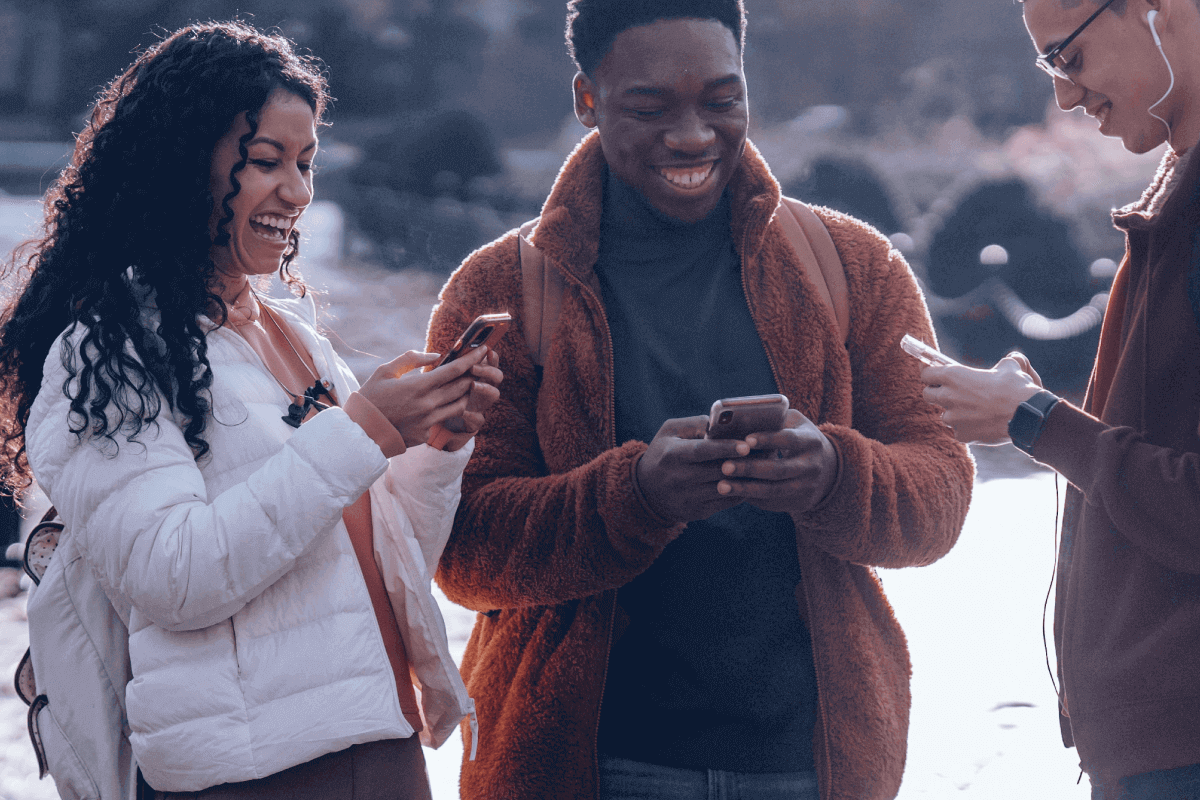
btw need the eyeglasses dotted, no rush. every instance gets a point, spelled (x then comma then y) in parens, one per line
(1047, 62)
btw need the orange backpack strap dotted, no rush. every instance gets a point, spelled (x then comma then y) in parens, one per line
(541, 292)
(813, 245)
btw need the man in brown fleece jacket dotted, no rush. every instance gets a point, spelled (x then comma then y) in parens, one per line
(664, 615)
(1127, 609)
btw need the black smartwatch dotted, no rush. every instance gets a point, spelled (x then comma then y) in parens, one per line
(1026, 424)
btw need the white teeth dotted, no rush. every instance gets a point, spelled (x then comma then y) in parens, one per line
(278, 225)
(686, 180)
(272, 221)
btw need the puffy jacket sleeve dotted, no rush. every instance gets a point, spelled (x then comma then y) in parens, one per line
(427, 483)
(904, 482)
(521, 536)
(1150, 493)
(145, 520)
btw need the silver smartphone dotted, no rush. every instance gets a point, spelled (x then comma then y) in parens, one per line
(738, 417)
(926, 354)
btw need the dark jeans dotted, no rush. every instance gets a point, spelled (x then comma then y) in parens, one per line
(1182, 783)
(622, 779)
(391, 769)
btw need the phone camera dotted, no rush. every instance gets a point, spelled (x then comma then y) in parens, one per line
(725, 418)
(482, 336)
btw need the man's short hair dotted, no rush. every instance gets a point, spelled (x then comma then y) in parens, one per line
(593, 25)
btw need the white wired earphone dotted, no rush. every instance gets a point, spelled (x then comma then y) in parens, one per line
(1150, 17)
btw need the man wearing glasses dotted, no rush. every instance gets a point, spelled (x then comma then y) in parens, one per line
(1127, 610)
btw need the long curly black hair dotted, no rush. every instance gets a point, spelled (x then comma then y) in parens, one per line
(129, 215)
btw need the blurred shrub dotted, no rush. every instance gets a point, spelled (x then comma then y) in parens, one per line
(422, 194)
(850, 187)
(1044, 267)
(1038, 262)
(438, 155)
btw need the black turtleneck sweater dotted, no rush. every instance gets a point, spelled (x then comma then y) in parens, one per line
(714, 670)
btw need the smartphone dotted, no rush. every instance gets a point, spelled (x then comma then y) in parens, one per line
(926, 354)
(487, 329)
(738, 417)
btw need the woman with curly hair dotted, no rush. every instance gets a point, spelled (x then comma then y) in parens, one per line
(275, 560)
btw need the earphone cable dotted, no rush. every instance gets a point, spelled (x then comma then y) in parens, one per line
(1049, 590)
(1150, 17)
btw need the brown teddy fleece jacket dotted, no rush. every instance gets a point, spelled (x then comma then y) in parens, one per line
(551, 524)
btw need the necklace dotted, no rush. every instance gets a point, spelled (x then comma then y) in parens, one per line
(301, 403)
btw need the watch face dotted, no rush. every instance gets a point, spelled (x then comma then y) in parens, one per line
(1024, 426)
(1027, 422)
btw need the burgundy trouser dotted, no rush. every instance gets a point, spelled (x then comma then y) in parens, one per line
(392, 769)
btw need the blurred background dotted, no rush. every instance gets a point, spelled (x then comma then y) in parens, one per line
(926, 118)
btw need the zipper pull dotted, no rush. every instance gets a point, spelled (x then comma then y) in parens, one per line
(474, 721)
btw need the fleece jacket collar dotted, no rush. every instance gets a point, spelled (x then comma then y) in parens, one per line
(569, 230)
(1142, 213)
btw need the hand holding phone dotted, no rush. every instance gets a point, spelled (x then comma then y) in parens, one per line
(484, 330)
(738, 417)
(926, 354)
(792, 466)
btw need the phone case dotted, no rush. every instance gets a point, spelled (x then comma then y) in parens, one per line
(738, 417)
(486, 329)
(926, 354)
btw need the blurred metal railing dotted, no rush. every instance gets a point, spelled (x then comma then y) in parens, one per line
(1029, 323)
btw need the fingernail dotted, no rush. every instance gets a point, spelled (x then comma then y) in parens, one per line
(724, 488)
(751, 441)
(743, 449)
(727, 468)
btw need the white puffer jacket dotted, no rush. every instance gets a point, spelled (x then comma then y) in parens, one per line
(252, 639)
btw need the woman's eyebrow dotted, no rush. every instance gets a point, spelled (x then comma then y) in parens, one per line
(279, 145)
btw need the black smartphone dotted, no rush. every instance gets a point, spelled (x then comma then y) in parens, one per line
(738, 417)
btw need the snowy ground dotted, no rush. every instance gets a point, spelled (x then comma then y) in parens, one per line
(983, 721)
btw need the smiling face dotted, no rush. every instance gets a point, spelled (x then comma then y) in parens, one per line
(1117, 73)
(669, 100)
(276, 187)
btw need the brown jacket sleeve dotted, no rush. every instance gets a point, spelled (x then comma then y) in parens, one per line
(1150, 493)
(522, 537)
(904, 482)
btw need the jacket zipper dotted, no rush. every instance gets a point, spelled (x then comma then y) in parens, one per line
(827, 786)
(612, 621)
(612, 443)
